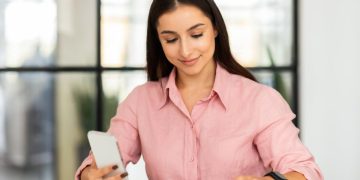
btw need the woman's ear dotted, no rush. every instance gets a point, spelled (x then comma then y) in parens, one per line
(215, 33)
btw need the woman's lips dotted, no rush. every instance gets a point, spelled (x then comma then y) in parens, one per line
(190, 61)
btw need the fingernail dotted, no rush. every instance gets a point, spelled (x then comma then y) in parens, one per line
(124, 175)
(114, 167)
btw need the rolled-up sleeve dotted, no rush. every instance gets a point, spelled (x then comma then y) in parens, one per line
(278, 139)
(123, 127)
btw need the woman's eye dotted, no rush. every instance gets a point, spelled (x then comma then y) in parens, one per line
(171, 40)
(197, 35)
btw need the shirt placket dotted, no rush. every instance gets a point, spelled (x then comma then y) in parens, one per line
(191, 149)
(194, 142)
(190, 140)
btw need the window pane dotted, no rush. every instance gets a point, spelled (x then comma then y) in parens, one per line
(255, 25)
(77, 33)
(43, 123)
(27, 126)
(27, 33)
(117, 85)
(281, 81)
(31, 30)
(75, 116)
(124, 32)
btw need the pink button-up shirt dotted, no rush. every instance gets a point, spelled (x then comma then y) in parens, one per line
(241, 128)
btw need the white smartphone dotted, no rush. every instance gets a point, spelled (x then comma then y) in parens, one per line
(106, 151)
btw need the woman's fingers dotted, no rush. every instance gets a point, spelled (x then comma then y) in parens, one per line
(123, 175)
(93, 164)
(106, 170)
(92, 172)
(117, 177)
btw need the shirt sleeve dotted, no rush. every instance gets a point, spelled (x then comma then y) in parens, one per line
(124, 127)
(277, 140)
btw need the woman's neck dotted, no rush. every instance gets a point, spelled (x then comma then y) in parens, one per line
(204, 79)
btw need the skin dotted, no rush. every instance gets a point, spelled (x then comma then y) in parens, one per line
(93, 173)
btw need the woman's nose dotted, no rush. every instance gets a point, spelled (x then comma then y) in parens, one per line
(185, 49)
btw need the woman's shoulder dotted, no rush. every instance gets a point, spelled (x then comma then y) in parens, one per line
(150, 90)
(267, 101)
(249, 87)
(244, 83)
(147, 87)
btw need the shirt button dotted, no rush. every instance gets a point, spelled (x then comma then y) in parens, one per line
(192, 158)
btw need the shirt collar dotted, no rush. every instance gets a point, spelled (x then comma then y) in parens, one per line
(220, 87)
(167, 85)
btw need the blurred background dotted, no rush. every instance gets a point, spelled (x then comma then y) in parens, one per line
(65, 65)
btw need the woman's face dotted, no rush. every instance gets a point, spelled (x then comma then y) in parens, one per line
(187, 37)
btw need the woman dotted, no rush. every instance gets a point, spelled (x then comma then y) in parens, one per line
(202, 115)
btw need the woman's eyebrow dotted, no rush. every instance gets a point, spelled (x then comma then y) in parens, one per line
(191, 28)
(195, 26)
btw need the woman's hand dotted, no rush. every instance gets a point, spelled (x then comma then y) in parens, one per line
(253, 178)
(93, 173)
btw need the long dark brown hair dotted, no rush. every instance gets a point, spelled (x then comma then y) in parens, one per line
(157, 64)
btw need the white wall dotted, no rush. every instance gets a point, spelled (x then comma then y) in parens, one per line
(330, 84)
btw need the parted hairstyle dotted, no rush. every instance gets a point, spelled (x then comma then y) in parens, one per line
(157, 64)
